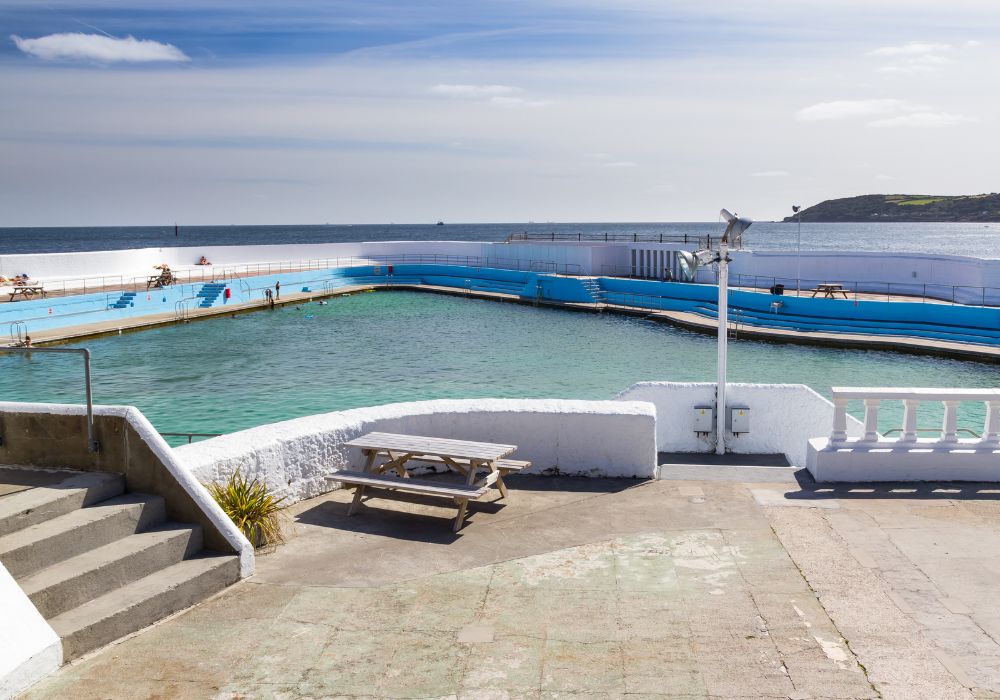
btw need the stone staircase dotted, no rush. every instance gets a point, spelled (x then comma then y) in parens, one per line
(126, 300)
(98, 562)
(210, 293)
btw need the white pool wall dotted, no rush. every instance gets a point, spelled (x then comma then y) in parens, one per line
(294, 457)
(941, 272)
(783, 417)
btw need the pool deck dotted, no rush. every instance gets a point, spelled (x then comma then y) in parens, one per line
(686, 587)
(690, 321)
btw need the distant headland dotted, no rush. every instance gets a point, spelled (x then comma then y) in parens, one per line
(904, 207)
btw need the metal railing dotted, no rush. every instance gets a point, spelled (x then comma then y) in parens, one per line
(874, 290)
(853, 290)
(191, 436)
(706, 241)
(92, 444)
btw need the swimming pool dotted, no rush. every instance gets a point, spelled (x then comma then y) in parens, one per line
(230, 373)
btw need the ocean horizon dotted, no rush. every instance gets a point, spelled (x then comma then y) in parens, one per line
(971, 239)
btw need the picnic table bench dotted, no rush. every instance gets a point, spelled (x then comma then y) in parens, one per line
(404, 451)
(830, 290)
(160, 281)
(27, 291)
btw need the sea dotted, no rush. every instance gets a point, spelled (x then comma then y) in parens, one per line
(973, 239)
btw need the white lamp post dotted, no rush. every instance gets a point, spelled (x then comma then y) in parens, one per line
(689, 264)
(798, 252)
(734, 231)
(722, 346)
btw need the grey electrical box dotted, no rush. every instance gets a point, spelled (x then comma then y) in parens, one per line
(704, 419)
(739, 419)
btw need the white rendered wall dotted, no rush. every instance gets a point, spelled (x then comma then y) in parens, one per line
(939, 272)
(29, 648)
(783, 417)
(890, 460)
(916, 269)
(590, 438)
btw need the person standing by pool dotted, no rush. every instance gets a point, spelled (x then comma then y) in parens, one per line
(277, 289)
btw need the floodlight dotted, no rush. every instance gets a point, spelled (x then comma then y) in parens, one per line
(734, 229)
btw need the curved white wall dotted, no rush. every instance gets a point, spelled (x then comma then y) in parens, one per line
(590, 438)
(29, 648)
(783, 417)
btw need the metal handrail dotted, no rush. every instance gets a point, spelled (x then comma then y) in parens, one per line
(687, 238)
(92, 444)
(967, 431)
(189, 436)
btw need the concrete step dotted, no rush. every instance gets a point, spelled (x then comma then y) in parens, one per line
(33, 548)
(40, 503)
(74, 581)
(143, 602)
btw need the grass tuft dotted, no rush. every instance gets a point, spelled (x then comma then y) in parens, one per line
(251, 505)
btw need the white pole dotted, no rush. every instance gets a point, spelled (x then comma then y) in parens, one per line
(720, 396)
(798, 257)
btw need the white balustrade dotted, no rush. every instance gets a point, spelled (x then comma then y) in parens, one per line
(912, 398)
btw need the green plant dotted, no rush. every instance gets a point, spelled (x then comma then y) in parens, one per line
(251, 505)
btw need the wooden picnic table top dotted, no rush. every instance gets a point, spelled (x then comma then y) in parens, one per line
(830, 285)
(441, 447)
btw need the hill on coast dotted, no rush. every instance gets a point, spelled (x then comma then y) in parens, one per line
(904, 207)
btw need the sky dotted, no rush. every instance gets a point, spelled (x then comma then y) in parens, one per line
(139, 112)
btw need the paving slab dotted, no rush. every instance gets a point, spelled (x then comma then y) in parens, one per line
(604, 588)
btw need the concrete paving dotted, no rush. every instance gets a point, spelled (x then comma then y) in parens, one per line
(576, 588)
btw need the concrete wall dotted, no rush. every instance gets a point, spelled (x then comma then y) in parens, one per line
(783, 417)
(55, 435)
(887, 460)
(29, 648)
(907, 272)
(592, 438)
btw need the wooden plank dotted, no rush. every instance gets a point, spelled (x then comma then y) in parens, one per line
(362, 480)
(444, 447)
(507, 465)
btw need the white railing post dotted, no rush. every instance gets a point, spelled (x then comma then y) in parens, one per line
(871, 419)
(949, 428)
(910, 420)
(839, 433)
(991, 428)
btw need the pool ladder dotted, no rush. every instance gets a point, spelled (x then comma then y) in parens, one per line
(18, 332)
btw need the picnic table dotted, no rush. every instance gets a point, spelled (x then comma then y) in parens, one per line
(160, 281)
(830, 290)
(26, 291)
(402, 452)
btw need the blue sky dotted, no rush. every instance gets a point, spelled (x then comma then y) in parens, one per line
(305, 112)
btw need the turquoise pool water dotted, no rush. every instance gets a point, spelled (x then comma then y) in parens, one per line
(230, 373)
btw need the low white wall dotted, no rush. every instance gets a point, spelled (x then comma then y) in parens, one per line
(590, 438)
(889, 460)
(912, 270)
(139, 262)
(783, 417)
(29, 648)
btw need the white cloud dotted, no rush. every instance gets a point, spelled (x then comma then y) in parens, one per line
(100, 49)
(770, 173)
(922, 120)
(516, 101)
(848, 109)
(621, 164)
(882, 176)
(474, 91)
(920, 56)
(913, 48)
